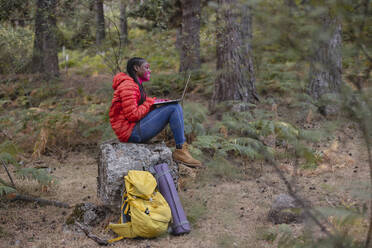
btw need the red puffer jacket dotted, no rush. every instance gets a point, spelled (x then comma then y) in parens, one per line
(124, 111)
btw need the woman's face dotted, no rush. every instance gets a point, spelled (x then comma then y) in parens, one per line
(143, 72)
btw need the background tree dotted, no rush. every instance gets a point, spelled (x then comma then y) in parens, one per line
(45, 58)
(100, 22)
(325, 61)
(232, 82)
(123, 22)
(190, 35)
(247, 51)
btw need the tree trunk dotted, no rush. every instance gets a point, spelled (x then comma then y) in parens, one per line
(325, 64)
(123, 22)
(50, 42)
(234, 63)
(100, 18)
(190, 38)
(37, 56)
(246, 32)
(45, 57)
(178, 38)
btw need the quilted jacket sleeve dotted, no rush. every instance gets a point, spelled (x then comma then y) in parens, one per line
(129, 94)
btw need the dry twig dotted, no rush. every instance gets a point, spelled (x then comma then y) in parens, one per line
(90, 235)
(7, 172)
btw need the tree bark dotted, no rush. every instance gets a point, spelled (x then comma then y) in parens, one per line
(123, 22)
(234, 80)
(247, 35)
(325, 63)
(37, 56)
(50, 42)
(45, 57)
(178, 38)
(100, 22)
(190, 35)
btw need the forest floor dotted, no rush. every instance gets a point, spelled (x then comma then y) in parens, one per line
(230, 213)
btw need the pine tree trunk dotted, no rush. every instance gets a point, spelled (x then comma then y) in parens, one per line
(100, 19)
(123, 22)
(178, 38)
(190, 38)
(50, 42)
(325, 64)
(234, 63)
(37, 64)
(247, 35)
(45, 57)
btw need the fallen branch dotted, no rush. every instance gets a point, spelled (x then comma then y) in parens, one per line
(90, 235)
(40, 201)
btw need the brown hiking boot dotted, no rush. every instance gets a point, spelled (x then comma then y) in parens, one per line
(183, 156)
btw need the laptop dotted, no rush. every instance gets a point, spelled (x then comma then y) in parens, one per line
(162, 101)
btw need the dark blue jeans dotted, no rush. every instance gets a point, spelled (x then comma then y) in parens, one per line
(155, 121)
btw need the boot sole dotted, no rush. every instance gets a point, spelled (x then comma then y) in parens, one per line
(187, 164)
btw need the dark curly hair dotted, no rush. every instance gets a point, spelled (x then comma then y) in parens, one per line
(136, 61)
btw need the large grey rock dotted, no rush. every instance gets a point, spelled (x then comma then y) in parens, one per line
(116, 159)
(285, 209)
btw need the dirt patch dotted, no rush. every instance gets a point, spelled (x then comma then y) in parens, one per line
(223, 213)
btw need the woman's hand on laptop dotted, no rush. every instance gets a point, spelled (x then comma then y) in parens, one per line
(161, 100)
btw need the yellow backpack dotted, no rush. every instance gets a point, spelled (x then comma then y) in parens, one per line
(148, 211)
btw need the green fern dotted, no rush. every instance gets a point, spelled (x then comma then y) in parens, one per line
(4, 190)
(222, 147)
(9, 148)
(194, 116)
(7, 158)
(239, 135)
(39, 175)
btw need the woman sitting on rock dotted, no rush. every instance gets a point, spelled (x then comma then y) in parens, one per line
(134, 120)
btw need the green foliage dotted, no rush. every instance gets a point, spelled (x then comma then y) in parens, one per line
(8, 156)
(344, 221)
(288, 241)
(8, 152)
(266, 234)
(16, 49)
(17, 9)
(239, 135)
(163, 85)
(220, 146)
(163, 57)
(221, 169)
(273, 233)
(225, 240)
(194, 116)
(39, 175)
(171, 85)
(85, 63)
(5, 189)
(159, 13)
(195, 209)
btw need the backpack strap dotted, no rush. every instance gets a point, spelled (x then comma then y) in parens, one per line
(115, 239)
(124, 209)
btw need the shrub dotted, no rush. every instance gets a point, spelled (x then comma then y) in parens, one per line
(16, 49)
